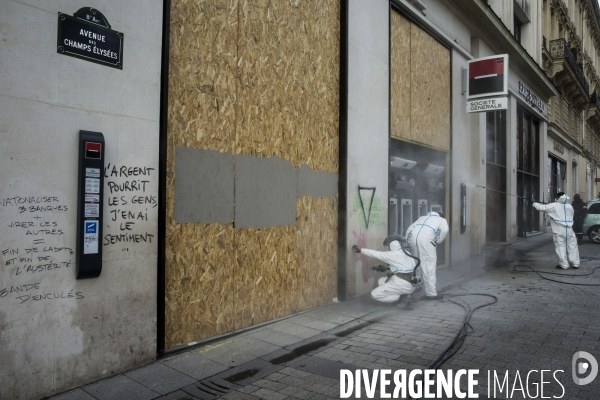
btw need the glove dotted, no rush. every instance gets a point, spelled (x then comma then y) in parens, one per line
(533, 200)
(356, 249)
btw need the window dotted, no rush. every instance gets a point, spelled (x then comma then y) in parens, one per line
(594, 209)
(528, 171)
(517, 29)
(496, 176)
(557, 171)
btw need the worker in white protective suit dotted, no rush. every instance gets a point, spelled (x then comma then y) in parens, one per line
(561, 221)
(391, 288)
(424, 235)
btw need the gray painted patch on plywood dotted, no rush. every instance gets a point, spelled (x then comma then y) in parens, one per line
(316, 183)
(265, 192)
(203, 186)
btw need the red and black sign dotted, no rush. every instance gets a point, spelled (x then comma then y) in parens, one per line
(487, 76)
(93, 150)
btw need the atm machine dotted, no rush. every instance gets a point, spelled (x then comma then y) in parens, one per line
(422, 207)
(406, 214)
(402, 186)
(393, 217)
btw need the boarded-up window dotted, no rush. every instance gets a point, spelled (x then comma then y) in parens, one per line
(420, 86)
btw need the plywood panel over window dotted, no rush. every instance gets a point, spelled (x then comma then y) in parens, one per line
(400, 76)
(420, 86)
(261, 79)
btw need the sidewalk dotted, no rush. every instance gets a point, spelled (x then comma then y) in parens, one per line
(536, 325)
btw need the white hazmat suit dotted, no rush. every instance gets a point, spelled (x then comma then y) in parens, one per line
(390, 290)
(561, 221)
(423, 235)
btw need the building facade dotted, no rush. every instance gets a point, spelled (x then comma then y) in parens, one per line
(58, 332)
(249, 145)
(570, 59)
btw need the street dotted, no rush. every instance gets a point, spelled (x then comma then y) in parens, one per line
(536, 325)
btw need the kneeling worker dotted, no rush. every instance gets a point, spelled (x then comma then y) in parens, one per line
(561, 220)
(402, 266)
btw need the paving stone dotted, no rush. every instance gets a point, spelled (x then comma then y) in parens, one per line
(160, 378)
(120, 387)
(267, 394)
(268, 384)
(274, 337)
(248, 389)
(296, 392)
(78, 394)
(239, 396)
(239, 350)
(195, 364)
(178, 395)
(294, 329)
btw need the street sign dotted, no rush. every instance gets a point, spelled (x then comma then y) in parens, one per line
(88, 35)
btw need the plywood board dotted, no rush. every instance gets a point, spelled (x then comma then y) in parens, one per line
(256, 78)
(430, 90)
(288, 82)
(400, 57)
(202, 74)
(420, 86)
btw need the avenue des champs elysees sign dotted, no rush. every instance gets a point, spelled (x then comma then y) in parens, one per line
(88, 35)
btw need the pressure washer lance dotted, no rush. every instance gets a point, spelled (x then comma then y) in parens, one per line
(509, 194)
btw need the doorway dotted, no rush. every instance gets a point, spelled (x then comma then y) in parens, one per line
(528, 171)
(495, 209)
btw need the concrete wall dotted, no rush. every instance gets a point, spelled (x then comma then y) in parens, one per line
(452, 25)
(58, 332)
(368, 135)
(462, 170)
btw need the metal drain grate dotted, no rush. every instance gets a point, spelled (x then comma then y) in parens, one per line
(210, 388)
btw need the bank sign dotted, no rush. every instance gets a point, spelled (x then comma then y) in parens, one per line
(488, 76)
(483, 105)
(487, 85)
(88, 35)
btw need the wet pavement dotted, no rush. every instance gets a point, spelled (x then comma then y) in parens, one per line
(536, 325)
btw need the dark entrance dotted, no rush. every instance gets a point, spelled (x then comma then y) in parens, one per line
(417, 185)
(528, 171)
(557, 171)
(495, 209)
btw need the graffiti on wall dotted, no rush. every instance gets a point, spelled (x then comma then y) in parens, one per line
(368, 212)
(33, 226)
(366, 191)
(129, 203)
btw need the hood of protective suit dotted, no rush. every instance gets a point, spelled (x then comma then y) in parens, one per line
(394, 245)
(563, 199)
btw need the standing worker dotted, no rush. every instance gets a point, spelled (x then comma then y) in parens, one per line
(561, 218)
(401, 266)
(424, 235)
(579, 209)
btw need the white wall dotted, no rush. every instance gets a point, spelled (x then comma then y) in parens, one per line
(452, 25)
(368, 132)
(96, 327)
(462, 170)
